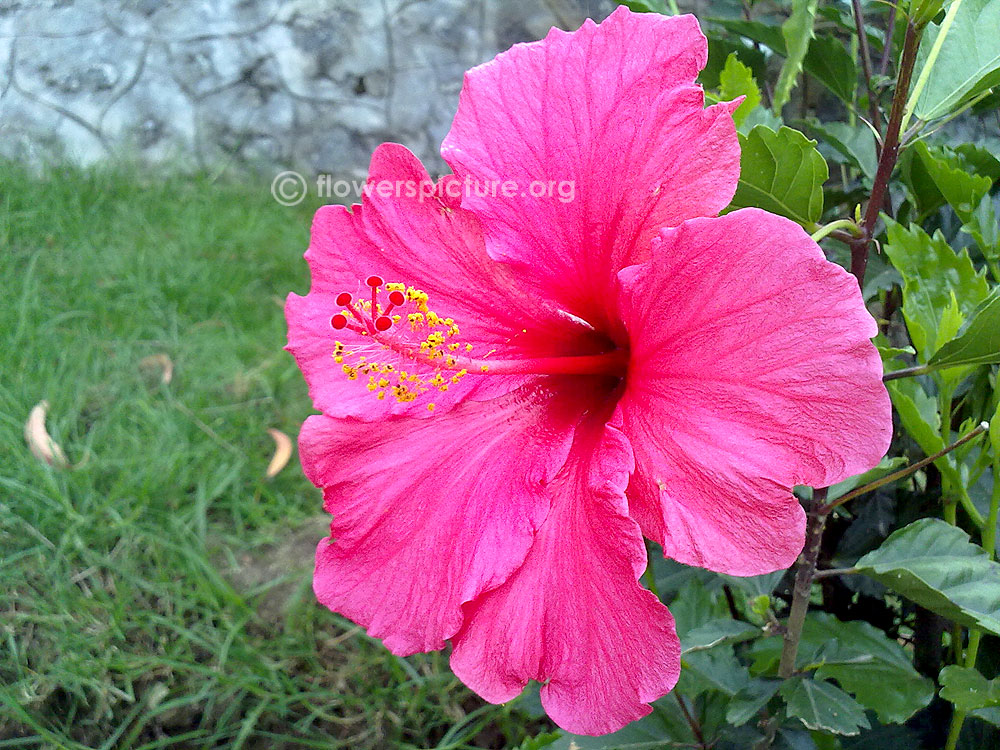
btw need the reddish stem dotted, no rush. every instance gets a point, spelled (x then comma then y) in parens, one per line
(887, 157)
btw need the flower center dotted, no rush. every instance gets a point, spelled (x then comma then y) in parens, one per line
(398, 318)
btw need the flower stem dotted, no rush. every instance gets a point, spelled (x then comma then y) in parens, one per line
(949, 504)
(905, 471)
(925, 72)
(888, 155)
(975, 634)
(908, 372)
(817, 513)
(866, 64)
(833, 226)
(816, 521)
(890, 25)
(692, 722)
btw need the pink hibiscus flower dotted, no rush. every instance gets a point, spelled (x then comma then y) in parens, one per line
(515, 389)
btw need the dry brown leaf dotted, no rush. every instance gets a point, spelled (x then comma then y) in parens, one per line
(42, 446)
(282, 452)
(160, 362)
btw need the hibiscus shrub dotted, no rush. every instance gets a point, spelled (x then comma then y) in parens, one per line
(635, 352)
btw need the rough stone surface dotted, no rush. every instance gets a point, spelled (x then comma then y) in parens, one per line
(312, 85)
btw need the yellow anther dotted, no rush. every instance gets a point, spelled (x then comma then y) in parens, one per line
(484, 368)
(435, 357)
(430, 406)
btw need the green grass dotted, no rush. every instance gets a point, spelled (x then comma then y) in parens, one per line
(158, 593)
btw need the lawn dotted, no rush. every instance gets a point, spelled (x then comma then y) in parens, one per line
(157, 592)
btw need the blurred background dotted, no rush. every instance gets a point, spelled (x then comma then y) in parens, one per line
(302, 84)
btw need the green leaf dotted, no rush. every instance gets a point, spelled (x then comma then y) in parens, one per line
(665, 726)
(952, 181)
(539, 741)
(861, 658)
(979, 160)
(696, 602)
(991, 714)
(932, 274)
(781, 172)
(716, 669)
(826, 60)
(856, 143)
(822, 706)
(923, 194)
(979, 341)
(829, 62)
(922, 12)
(647, 6)
(797, 31)
(919, 414)
(759, 116)
(968, 689)
(934, 564)
(716, 633)
(755, 31)
(754, 586)
(748, 702)
(969, 61)
(984, 226)
(736, 79)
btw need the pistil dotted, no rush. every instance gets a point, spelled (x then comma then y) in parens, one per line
(439, 350)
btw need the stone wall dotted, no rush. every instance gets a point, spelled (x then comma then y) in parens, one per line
(313, 85)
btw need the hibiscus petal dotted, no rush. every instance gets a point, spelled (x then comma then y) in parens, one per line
(751, 371)
(611, 112)
(573, 616)
(428, 513)
(405, 234)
